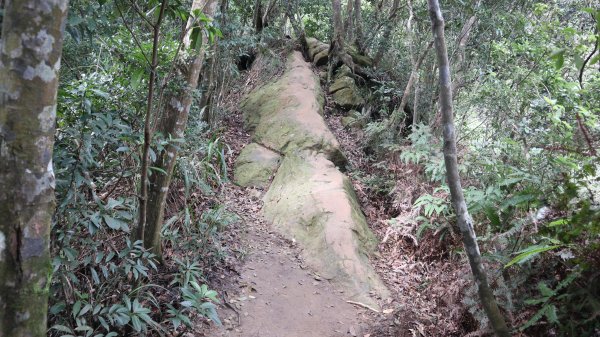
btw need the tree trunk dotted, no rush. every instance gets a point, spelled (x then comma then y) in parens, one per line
(459, 80)
(411, 80)
(465, 222)
(267, 15)
(387, 32)
(29, 64)
(337, 51)
(172, 124)
(349, 24)
(143, 198)
(358, 33)
(257, 16)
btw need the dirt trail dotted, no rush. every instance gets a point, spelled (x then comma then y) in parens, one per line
(291, 288)
(277, 295)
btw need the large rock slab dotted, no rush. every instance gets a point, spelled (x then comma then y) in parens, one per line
(348, 98)
(311, 201)
(255, 166)
(344, 90)
(315, 46)
(321, 58)
(286, 115)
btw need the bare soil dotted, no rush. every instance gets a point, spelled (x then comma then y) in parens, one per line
(277, 295)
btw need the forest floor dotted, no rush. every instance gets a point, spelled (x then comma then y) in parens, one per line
(276, 294)
(271, 292)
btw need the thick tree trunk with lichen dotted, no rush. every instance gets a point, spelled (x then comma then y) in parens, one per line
(172, 124)
(465, 222)
(30, 52)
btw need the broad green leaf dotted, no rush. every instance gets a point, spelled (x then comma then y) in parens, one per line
(559, 58)
(558, 222)
(114, 223)
(529, 253)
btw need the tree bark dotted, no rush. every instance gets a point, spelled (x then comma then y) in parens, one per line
(349, 24)
(337, 51)
(411, 80)
(257, 16)
(387, 32)
(267, 15)
(30, 51)
(459, 80)
(172, 124)
(358, 33)
(143, 198)
(465, 222)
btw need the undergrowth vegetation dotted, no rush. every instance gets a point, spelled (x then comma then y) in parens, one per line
(103, 282)
(527, 108)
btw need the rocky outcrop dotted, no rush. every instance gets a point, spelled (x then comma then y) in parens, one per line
(309, 199)
(354, 119)
(286, 115)
(319, 53)
(315, 47)
(255, 166)
(345, 92)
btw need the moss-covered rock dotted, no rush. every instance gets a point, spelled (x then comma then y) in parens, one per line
(321, 58)
(313, 202)
(344, 90)
(311, 42)
(342, 71)
(286, 115)
(341, 83)
(315, 47)
(348, 98)
(255, 166)
(353, 119)
(359, 59)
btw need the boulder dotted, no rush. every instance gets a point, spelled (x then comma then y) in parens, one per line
(358, 58)
(342, 71)
(321, 58)
(354, 119)
(311, 42)
(341, 83)
(286, 115)
(315, 47)
(344, 90)
(348, 98)
(255, 166)
(311, 201)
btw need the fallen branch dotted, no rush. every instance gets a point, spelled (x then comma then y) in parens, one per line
(364, 306)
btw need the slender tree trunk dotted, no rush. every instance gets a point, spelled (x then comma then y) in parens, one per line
(349, 24)
(257, 16)
(465, 222)
(411, 80)
(267, 15)
(172, 124)
(30, 52)
(387, 32)
(143, 198)
(459, 80)
(417, 97)
(358, 33)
